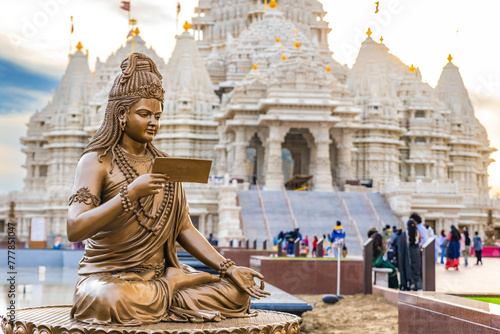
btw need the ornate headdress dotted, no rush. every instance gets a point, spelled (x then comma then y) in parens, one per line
(139, 77)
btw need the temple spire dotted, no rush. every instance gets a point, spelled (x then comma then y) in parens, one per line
(369, 33)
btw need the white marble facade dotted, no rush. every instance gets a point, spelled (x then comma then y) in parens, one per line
(248, 87)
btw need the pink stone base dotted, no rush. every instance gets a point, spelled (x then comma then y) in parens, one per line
(489, 251)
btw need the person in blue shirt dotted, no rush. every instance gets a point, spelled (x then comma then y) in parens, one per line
(478, 248)
(338, 239)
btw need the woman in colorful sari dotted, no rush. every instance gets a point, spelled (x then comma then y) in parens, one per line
(453, 253)
(132, 219)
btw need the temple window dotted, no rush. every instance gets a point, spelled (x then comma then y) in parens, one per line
(43, 171)
(420, 140)
(420, 170)
(420, 114)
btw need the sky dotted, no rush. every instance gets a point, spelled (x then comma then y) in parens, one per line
(35, 41)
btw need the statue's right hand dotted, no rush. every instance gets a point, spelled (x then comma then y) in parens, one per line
(145, 185)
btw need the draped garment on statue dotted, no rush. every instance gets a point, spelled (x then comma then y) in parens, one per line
(115, 284)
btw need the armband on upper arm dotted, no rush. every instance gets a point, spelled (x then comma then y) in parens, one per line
(83, 195)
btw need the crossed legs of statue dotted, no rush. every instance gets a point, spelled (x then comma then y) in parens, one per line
(178, 295)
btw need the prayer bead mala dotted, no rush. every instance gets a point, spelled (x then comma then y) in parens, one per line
(131, 174)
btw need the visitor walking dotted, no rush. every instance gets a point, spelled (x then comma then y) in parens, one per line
(478, 248)
(443, 245)
(338, 239)
(211, 240)
(409, 258)
(465, 240)
(392, 247)
(453, 252)
(378, 257)
(314, 252)
(421, 229)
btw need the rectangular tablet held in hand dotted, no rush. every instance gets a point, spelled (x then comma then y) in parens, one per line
(183, 169)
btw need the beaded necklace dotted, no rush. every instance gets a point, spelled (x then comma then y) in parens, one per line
(145, 219)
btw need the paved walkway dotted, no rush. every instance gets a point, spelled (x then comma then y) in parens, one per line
(472, 278)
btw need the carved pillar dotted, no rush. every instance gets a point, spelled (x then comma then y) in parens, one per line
(203, 226)
(344, 156)
(229, 215)
(274, 170)
(240, 155)
(221, 161)
(323, 178)
(210, 224)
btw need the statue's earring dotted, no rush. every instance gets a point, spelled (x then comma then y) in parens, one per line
(122, 124)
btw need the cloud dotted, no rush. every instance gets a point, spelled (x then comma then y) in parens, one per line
(20, 100)
(12, 127)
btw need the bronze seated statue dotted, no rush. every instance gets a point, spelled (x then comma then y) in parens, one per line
(132, 219)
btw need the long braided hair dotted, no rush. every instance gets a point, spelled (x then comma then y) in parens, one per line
(139, 79)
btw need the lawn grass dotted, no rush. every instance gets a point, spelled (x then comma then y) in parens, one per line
(493, 300)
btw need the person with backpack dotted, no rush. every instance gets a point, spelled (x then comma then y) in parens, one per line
(338, 239)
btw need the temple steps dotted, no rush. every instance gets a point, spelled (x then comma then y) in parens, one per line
(316, 214)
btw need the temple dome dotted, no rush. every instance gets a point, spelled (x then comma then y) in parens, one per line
(259, 45)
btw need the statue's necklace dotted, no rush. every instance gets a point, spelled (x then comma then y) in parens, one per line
(145, 219)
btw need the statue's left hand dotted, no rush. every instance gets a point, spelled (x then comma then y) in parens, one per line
(244, 278)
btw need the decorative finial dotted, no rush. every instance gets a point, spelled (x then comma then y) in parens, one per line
(297, 44)
(381, 39)
(369, 32)
(450, 58)
(412, 68)
(137, 31)
(79, 46)
(328, 68)
(255, 67)
(186, 26)
(273, 4)
(278, 40)
(87, 52)
(283, 57)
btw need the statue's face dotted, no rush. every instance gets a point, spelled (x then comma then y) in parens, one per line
(143, 120)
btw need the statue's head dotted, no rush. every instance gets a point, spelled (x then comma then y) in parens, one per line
(139, 79)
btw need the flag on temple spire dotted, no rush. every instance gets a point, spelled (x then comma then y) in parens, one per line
(125, 5)
(72, 27)
(178, 12)
(130, 33)
(376, 8)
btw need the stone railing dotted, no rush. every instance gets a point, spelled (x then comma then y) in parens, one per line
(481, 202)
(421, 187)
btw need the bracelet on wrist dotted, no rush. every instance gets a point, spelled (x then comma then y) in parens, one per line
(126, 203)
(224, 266)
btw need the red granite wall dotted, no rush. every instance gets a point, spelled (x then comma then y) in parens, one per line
(430, 312)
(310, 276)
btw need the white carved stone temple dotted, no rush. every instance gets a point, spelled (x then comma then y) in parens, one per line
(258, 92)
